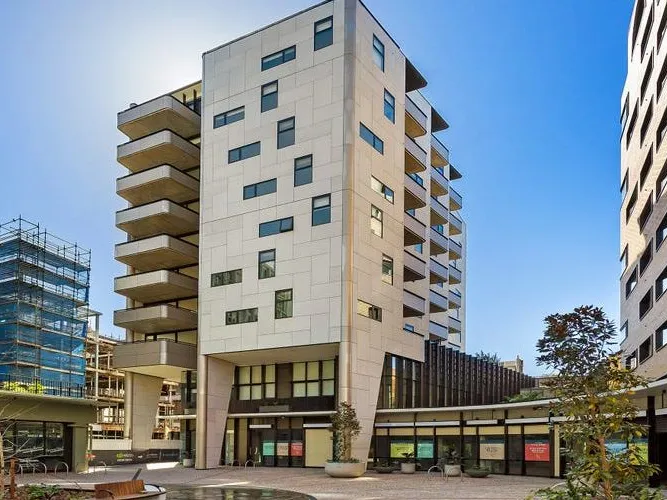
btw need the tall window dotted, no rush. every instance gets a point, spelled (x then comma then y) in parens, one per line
(267, 264)
(278, 58)
(389, 106)
(661, 232)
(378, 53)
(269, 96)
(226, 277)
(284, 303)
(376, 221)
(660, 336)
(372, 139)
(323, 33)
(624, 331)
(244, 152)
(646, 257)
(321, 210)
(646, 168)
(631, 283)
(256, 382)
(661, 182)
(645, 349)
(382, 189)
(285, 133)
(231, 116)
(387, 269)
(646, 303)
(314, 378)
(369, 310)
(303, 170)
(662, 130)
(661, 284)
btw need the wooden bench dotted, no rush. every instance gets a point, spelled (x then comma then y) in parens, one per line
(122, 489)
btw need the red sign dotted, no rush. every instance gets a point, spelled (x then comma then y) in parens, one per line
(537, 451)
(296, 449)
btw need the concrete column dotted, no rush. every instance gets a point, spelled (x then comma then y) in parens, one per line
(127, 416)
(79, 448)
(144, 395)
(214, 389)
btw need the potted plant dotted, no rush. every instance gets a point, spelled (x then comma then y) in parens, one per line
(409, 466)
(452, 462)
(345, 427)
(477, 471)
(188, 461)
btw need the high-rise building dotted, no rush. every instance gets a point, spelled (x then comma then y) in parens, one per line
(643, 216)
(294, 240)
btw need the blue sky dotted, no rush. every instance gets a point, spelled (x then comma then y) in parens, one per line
(531, 90)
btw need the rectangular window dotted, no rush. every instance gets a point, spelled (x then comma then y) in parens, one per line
(303, 170)
(285, 132)
(624, 259)
(631, 204)
(662, 129)
(378, 53)
(321, 210)
(323, 33)
(259, 189)
(389, 106)
(256, 382)
(646, 303)
(647, 33)
(409, 328)
(314, 378)
(645, 124)
(241, 316)
(661, 284)
(646, 212)
(276, 226)
(631, 361)
(646, 257)
(226, 277)
(372, 139)
(662, 28)
(369, 310)
(624, 331)
(284, 304)
(661, 232)
(278, 58)
(267, 264)
(645, 350)
(646, 168)
(419, 248)
(661, 182)
(232, 116)
(387, 269)
(376, 221)
(662, 78)
(631, 127)
(660, 335)
(382, 189)
(625, 111)
(269, 96)
(647, 78)
(624, 187)
(631, 283)
(244, 152)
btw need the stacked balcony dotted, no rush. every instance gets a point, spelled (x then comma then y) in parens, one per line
(161, 358)
(414, 269)
(156, 286)
(157, 252)
(163, 181)
(156, 319)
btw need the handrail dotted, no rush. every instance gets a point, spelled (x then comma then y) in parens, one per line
(407, 97)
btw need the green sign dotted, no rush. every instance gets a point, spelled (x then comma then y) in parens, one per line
(268, 448)
(425, 449)
(397, 448)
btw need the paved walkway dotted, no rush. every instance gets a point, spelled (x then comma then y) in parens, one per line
(314, 482)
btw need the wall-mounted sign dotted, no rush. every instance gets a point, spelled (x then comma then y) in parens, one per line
(492, 449)
(268, 448)
(296, 449)
(283, 449)
(424, 449)
(537, 450)
(397, 448)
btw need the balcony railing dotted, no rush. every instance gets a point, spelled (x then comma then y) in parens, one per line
(40, 386)
(455, 200)
(415, 156)
(416, 121)
(441, 156)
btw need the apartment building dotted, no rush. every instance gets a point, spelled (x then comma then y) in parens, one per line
(293, 232)
(643, 216)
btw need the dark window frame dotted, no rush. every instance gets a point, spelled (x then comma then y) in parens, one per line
(647, 77)
(261, 259)
(378, 53)
(300, 170)
(236, 313)
(661, 284)
(324, 209)
(646, 258)
(631, 282)
(660, 334)
(278, 58)
(324, 37)
(644, 305)
(284, 225)
(290, 302)
(631, 126)
(288, 134)
(218, 279)
(632, 203)
(224, 118)
(646, 168)
(372, 311)
(390, 275)
(661, 233)
(251, 190)
(389, 104)
(642, 349)
(267, 100)
(369, 137)
(647, 33)
(646, 123)
(646, 212)
(244, 152)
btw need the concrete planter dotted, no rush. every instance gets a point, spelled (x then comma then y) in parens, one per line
(475, 472)
(345, 469)
(408, 467)
(452, 470)
(188, 462)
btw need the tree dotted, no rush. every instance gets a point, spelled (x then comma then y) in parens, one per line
(593, 391)
(345, 428)
(488, 357)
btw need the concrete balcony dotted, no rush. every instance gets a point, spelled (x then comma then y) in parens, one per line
(439, 213)
(159, 217)
(162, 113)
(437, 302)
(415, 157)
(439, 183)
(156, 286)
(454, 174)
(455, 250)
(455, 200)
(455, 224)
(413, 305)
(163, 182)
(158, 358)
(454, 325)
(156, 319)
(415, 194)
(414, 268)
(454, 299)
(439, 153)
(439, 243)
(158, 252)
(164, 147)
(437, 329)
(414, 231)
(455, 275)
(439, 273)
(416, 122)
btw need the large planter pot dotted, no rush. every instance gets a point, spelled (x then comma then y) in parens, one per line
(452, 470)
(408, 467)
(345, 469)
(188, 462)
(473, 472)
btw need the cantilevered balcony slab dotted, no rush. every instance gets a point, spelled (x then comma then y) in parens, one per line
(158, 252)
(415, 194)
(455, 224)
(454, 325)
(439, 243)
(454, 274)
(162, 113)
(437, 329)
(437, 301)
(414, 231)
(439, 213)
(439, 183)
(156, 286)
(455, 200)
(414, 268)
(416, 122)
(438, 272)
(439, 153)
(413, 305)
(454, 299)
(455, 250)
(164, 147)
(159, 358)
(156, 319)
(163, 182)
(415, 157)
(159, 217)
(454, 174)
